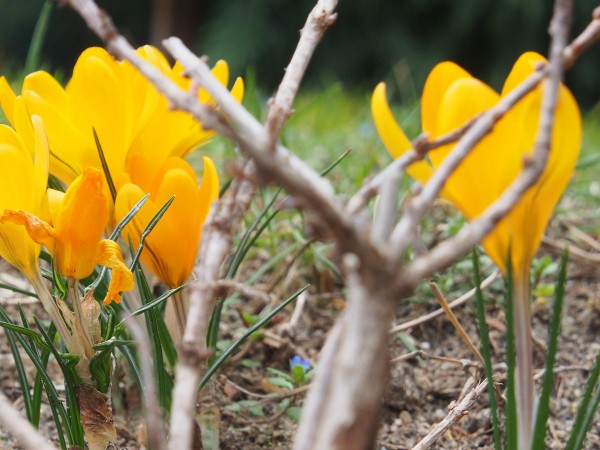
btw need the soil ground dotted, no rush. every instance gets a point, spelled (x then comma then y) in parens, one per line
(420, 390)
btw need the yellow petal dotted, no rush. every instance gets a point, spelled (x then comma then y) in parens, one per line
(7, 98)
(524, 67)
(109, 255)
(437, 84)
(170, 249)
(100, 101)
(463, 100)
(41, 161)
(391, 134)
(55, 200)
(70, 150)
(45, 85)
(79, 225)
(19, 189)
(40, 231)
(237, 90)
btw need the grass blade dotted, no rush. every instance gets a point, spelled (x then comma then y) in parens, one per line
(587, 409)
(58, 412)
(72, 420)
(30, 334)
(543, 410)
(164, 382)
(37, 40)
(12, 288)
(486, 352)
(22, 376)
(154, 303)
(215, 366)
(38, 386)
(161, 212)
(109, 180)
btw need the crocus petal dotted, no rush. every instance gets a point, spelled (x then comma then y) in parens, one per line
(170, 249)
(7, 98)
(21, 184)
(79, 225)
(44, 84)
(99, 96)
(109, 255)
(464, 100)
(40, 231)
(437, 84)
(41, 161)
(237, 90)
(451, 97)
(523, 67)
(392, 135)
(70, 150)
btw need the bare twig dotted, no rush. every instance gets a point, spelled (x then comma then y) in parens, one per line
(280, 106)
(574, 252)
(226, 286)
(18, 426)
(339, 415)
(459, 328)
(590, 35)
(362, 333)
(438, 312)
(455, 414)
(589, 240)
(421, 146)
(313, 192)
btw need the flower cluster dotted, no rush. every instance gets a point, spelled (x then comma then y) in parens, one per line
(110, 138)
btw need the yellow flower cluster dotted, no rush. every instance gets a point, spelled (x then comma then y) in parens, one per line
(143, 142)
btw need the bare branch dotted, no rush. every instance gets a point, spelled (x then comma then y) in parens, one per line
(313, 192)
(590, 35)
(439, 312)
(280, 106)
(455, 414)
(421, 146)
(18, 426)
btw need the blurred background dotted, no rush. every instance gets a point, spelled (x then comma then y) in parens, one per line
(392, 40)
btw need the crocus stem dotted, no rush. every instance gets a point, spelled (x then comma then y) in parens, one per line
(176, 313)
(81, 331)
(50, 306)
(525, 391)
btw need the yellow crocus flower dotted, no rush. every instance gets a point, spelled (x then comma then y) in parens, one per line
(74, 236)
(451, 97)
(170, 249)
(23, 182)
(129, 115)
